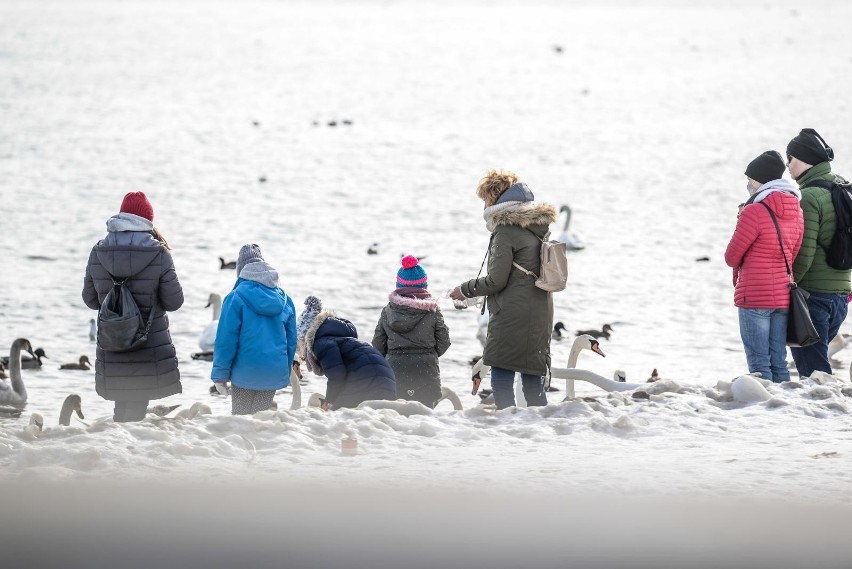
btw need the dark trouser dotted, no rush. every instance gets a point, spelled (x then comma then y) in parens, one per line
(828, 311)
(250, 401)
(503, 383)
(128, 411)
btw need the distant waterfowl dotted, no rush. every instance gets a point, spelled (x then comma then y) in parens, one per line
(93, 330)
(33, 361)
(14, 392)
(262, 180)
(602, 333)
(702, 259)
(347, 122)
(572, 241)
(208, 337)
(203, 356)
(373, 249)
(227, 265)
(161, 410)
(83, 364)
(654, 376)
(72, 403)
(619, 375)
(557, 48)
(584, 342)
(557, 334)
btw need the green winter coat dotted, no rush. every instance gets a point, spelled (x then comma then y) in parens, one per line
(521, 314)
(810, 270)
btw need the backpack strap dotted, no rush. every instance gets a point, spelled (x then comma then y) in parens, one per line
(520, 268)
(780, 242)
(121, 283)
(825, 184)
(487, 252)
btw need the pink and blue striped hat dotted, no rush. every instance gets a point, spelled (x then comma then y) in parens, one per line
(411, 275)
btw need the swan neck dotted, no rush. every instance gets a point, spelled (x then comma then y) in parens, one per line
(297, 392)
(217, 307)
(65, 414)
(15, 378)
(574, 355)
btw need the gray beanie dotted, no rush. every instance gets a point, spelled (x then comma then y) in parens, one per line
(313, 306)
(249, 253)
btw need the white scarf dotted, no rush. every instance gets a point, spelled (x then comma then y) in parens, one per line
(775, 186)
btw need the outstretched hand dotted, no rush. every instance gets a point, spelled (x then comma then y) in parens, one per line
(456, 294)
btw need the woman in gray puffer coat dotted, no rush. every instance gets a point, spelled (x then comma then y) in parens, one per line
(134, 250)
(521, 314)
(412, 335)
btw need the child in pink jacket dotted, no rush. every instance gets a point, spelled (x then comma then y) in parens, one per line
(761, 276)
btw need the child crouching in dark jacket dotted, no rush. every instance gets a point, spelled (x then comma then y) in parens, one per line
(329, 345)
(412, 335)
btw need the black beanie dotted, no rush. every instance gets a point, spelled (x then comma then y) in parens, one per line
(810, 148)
(766, 167)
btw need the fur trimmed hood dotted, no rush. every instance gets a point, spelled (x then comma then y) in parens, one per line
(424, 304)
(521, 214)
(310, 335)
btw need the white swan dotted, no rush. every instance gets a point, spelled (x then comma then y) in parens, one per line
(482, 328)
(72, 403)
(450, 395)
(838, 343)
(295, 376)
(197, 409)
(14, 393)
(207, 340)
(93, 330)
(35, 426)
(582, 342)
(572, 241)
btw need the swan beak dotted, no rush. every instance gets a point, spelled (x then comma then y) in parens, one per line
(297, 369)
(596, 347)
(79, 413)
(207, 305)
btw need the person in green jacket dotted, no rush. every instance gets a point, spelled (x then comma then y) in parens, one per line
(808, 158)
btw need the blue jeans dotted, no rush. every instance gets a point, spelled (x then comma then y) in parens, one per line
(828, 311)
(764, 334)
(503, 384)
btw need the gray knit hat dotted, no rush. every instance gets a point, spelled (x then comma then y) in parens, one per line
(313, 306)
(249, 253)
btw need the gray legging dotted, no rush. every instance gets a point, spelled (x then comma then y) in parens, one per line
(250, 401)
(127, 411)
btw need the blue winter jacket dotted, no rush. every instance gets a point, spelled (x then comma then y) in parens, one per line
(356, 371)
(256, 337)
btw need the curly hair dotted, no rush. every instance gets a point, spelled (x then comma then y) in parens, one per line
(493, 184)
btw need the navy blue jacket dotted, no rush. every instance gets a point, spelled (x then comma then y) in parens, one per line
(356, 371)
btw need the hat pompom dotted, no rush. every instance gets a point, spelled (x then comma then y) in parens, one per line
(409, 262)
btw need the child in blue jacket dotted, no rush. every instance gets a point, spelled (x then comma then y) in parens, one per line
(256, 337)
(356, 371)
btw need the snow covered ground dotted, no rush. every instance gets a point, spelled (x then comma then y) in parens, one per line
(641, 116)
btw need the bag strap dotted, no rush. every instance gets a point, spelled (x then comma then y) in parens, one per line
(780, 242)
(487, 252)
(543, 241)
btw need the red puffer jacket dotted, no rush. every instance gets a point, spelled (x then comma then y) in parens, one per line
(760, 276)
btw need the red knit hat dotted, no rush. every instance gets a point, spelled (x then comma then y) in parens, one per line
(137, 204)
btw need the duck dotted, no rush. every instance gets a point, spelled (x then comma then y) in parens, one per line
(33, 362)
(93, 330)
(226, 264)
(619, 375)
(373, 249)
(207, 340)
(583, 342)
(838, 343)
(83, 364)
(602, 333)
(573, 242)
(2, 371)
(72, 403)
(654, 376)
(557, 331)
(14, 393)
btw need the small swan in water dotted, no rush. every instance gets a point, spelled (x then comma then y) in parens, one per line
(208, 337)
(72, 403)
(31, 362)
(14, 393)
(572, 241)
(83, 364)
(93, 330)
(35, 426)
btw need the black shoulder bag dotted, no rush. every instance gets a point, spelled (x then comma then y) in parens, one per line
(800, 328)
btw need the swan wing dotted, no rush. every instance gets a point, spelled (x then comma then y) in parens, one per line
(207, 340)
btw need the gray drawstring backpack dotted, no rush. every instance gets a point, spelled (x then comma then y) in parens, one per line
(120, 325)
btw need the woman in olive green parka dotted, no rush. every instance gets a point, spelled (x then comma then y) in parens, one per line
(520, 314)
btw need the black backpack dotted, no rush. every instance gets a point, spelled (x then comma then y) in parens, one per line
(120, 325)
(839, 253)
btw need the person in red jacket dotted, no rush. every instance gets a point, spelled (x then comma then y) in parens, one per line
(761, 275)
